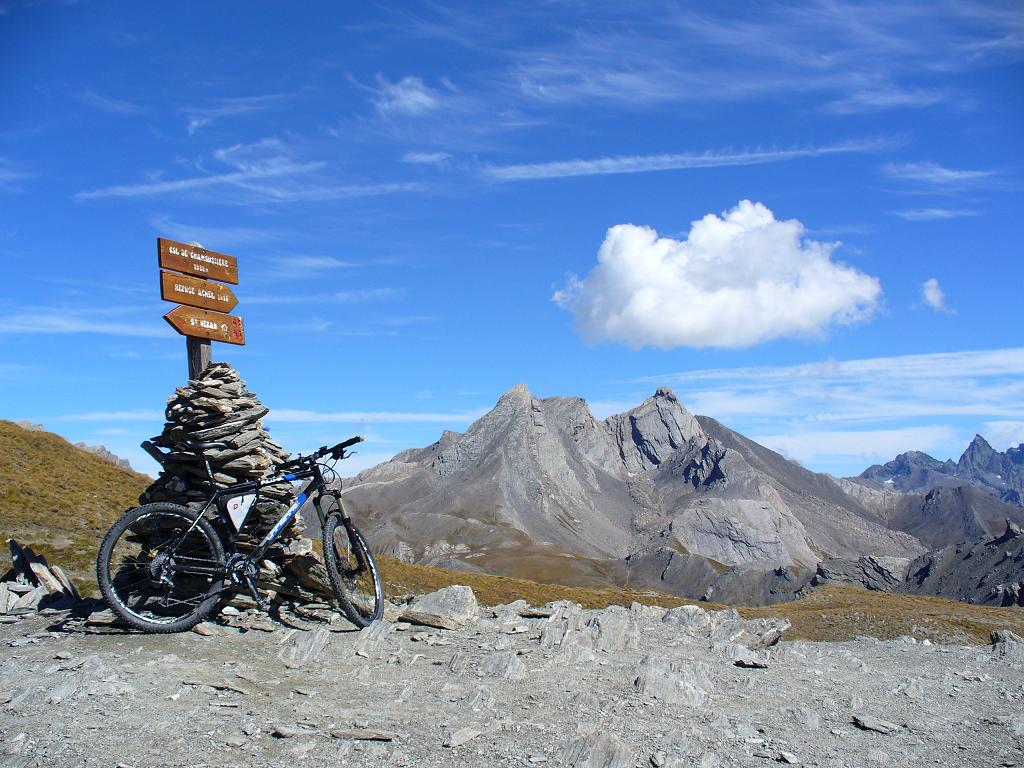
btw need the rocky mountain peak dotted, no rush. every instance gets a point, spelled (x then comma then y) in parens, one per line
(518, 394)
(665, 392)
(649, 434)
(979, 454)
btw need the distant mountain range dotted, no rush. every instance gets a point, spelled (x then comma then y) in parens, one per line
(1000, 474)
(657, 496)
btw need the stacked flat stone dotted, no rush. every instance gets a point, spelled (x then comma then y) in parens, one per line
(217, 407)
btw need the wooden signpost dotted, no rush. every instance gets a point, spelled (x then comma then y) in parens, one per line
(204, 316)
(203, 324)
(195, 260)
(204, 294)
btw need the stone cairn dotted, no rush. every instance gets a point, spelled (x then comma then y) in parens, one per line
(217, 407)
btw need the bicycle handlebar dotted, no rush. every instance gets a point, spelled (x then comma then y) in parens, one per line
(336, 451)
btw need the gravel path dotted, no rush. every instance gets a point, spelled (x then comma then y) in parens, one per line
(619, 687)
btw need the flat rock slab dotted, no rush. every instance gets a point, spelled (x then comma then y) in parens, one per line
(362, 734)
(449, 608)
(868, 722)
(671, 682)
(460, 737)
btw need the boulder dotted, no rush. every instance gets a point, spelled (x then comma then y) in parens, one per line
(453, 607)
(671, 682)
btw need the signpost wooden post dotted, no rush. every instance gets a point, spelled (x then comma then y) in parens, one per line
(186, 278)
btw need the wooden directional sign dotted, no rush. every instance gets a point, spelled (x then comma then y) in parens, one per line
(196, 293)
(201, 324)
(193, 260)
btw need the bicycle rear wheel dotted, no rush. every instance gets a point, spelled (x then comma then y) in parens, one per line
(353, 572)
(160, 569)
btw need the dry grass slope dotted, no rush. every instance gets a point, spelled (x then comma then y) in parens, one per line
(60, 499)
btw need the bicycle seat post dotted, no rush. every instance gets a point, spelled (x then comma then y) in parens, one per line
(209, 469)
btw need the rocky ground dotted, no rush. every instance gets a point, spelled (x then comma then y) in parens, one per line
(511, 685)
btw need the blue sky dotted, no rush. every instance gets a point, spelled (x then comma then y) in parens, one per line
(804, 217)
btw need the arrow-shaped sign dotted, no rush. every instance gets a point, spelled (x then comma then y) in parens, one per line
(189, 321)
(196, 292)
(194, 260)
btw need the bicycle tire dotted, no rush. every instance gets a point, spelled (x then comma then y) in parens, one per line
(140, 528)
(357, 585)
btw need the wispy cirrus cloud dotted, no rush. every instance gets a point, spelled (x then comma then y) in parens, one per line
(274, 169)
(679, 161)
(879, 99)
(210, 235)
(218, 109)
(337, 297)
(71, 321)
(426, 158)
(108, 103)
(11, 176)
(17, 371)
(934, 214)
(296, 416)
(867, 446)
(937, 177)
(140, 414)
(250, 169)
(841, 413)
(408, 96)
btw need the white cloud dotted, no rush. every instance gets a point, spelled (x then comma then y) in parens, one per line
(682, 161)
(870, 446)
(738, 280)
(1004, 434)
(409, 96)
(934, 296)
(934, 214)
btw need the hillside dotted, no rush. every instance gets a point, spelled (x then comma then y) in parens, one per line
(59, 498)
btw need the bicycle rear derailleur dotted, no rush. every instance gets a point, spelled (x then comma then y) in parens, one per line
(243, 572)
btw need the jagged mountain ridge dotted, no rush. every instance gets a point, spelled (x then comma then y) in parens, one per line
(541, 487)
(998, 473)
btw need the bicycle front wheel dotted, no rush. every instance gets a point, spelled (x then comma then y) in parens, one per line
(353, 572)
(161, 568)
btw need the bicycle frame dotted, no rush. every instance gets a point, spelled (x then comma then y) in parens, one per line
(317, 487)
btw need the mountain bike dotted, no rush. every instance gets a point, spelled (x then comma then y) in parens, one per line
(164, 567)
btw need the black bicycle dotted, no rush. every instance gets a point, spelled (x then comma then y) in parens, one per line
(164, 567)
